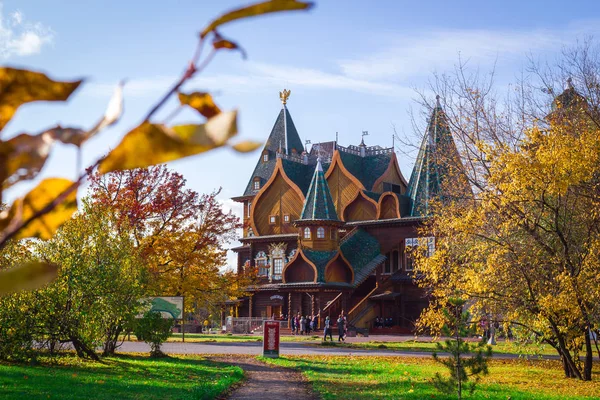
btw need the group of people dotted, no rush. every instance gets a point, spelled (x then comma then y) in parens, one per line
(383, 322)
(342, 325)
(304, 325)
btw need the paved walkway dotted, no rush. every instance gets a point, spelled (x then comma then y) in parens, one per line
(285, 349)
(267, 383)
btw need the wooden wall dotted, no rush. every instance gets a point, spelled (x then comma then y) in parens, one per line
(360, 209)
(338, 271)
(343, 189)
(389, 207)
(391, 175)
(278, 199)
(299, 271)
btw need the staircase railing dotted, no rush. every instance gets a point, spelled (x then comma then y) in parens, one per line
(361, 305)
(330, 304)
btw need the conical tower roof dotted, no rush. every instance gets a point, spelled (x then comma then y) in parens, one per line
(318, 205)
(283, 137)
(436, 163)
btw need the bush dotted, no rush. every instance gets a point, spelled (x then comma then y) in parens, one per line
(153, 329)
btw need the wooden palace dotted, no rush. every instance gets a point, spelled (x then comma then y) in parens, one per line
(330, 230)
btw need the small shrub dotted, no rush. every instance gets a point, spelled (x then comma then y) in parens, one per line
(153, 329)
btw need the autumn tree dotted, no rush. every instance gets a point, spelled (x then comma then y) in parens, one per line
(181, 234)
(54, 200)
(100, 283)
(524, 246)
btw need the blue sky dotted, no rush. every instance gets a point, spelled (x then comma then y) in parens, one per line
(351, 65)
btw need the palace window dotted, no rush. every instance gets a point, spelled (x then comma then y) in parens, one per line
(387, 265)
(272, 219)
(286, 218)
(395, 260)
(306, 233)
(261, 263)
(249, 208)
(411, 243)
(320, 233)
(265, 156)
(277, 268)
(391, 187)
(256, 183)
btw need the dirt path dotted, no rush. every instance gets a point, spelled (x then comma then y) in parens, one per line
(268, 383)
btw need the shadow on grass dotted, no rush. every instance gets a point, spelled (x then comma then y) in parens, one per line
(122, 377)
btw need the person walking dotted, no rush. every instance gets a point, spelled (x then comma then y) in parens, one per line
(303, 325)
(308, 324)
(327, 329)
(341, 324)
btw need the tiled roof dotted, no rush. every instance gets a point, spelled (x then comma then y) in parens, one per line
(391, 221)
(277, 138)
(373, 195)
(318, 204)
(363, 253)
(437, 159)
(299, 173)
(320, 259)
(366, 169)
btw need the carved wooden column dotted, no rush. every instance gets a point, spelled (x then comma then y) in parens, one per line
(250, 306)
(312, 305)
(290, 309)
(318, 295)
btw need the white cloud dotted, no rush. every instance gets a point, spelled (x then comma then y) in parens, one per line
(391, 70)
(407, 56)
(21, 38)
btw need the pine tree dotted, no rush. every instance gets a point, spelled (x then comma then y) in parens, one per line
(464, 371)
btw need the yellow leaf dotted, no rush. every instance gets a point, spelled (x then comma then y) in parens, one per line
(29, 276)
(24, 156)
(74, 136)
(215, 132)
(201, 102)
(222, 43)
(42, 196)
(246, 146)
(19, 86)
(113, 112)
(254, 10)
(151, 144)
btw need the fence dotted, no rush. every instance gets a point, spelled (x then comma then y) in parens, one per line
(247, 325)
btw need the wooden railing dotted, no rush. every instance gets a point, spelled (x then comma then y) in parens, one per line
(332, 302)
(360, 305)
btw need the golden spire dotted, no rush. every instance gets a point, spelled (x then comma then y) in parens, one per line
(284, 95)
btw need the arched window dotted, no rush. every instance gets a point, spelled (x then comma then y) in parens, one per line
(320, 233)
(306, 233)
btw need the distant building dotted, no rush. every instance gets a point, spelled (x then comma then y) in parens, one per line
(331, 230)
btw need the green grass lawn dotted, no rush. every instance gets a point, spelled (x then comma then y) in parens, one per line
(503, 347)
(123, 377)
(409, 378)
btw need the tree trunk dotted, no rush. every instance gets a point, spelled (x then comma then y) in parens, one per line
(587, 365)
(82, 350)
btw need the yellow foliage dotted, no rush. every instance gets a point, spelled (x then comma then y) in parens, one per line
(254, 10)
(28, 276)
(156, 144)
(44, 195)
(18, 86)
